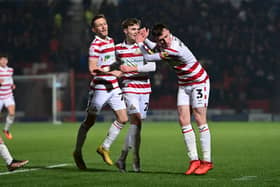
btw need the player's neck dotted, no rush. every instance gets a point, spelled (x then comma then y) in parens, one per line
(129, 42)
(102, 37)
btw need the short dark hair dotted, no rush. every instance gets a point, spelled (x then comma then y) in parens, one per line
(98, 16)
(157, 29)
(4, 55)
(129, 22)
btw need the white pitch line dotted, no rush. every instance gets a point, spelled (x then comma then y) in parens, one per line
(245, 178)
(33, 169)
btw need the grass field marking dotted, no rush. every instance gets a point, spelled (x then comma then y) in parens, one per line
(19, 171)
(245, 178)
(57, 166)
(33, 169)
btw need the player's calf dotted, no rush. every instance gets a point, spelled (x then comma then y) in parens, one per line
(78, 158)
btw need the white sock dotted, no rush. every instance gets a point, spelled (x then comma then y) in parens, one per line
(130, 137)
(112, 134)
(9, 121)
(190, 142)
(5, 154)
(136, 143)
(205, 140)
(129, 142)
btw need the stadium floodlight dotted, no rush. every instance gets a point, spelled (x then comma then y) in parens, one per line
(36, 97)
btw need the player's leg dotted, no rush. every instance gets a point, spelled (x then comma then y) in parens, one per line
(183, 107)
(132, 103)
(12, 164)
(116, 102)
(10, 105)
(140, 115)
(93, 109)
(200, 102)
(135, 134)
(81, 137)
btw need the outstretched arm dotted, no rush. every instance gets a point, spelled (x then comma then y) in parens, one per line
(148, 67)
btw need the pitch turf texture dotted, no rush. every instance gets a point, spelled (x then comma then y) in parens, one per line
(244, 154)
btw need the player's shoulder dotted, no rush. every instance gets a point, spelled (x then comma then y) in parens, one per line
(10, 69)
(119, 45)
(6, 69)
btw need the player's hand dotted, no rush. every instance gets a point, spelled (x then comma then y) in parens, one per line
(142, 35)
(172, 53)
(164, 55)
(116, 73)
(96, 71)
(125, 68)
(13, 86)
(168, 55)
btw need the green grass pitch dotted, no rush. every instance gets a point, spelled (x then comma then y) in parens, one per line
(244, 154)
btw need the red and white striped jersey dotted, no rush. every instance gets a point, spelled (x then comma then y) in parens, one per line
(6, 74)
(104, 50)
(189, 71)
(133, 82)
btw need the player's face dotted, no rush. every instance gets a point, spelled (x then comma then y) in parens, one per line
(101, 27)
(3, 61)
(131, 33)
(164, 40)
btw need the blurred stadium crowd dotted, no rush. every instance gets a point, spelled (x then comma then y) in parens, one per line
(236, 40)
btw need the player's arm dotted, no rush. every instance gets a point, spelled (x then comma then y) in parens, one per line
(13, 85)
(1, 81)
(152, 57)
(147, 67)
(116, 73)
(92, 66)
(94, 69)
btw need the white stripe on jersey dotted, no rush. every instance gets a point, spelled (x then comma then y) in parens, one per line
(189, 70)
(133, 82)
(104, 50)
(6, 74)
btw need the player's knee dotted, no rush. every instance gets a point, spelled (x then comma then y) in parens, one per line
(92, 111)
(122, 119)
(184, 119)
(199, 116)
(136, 119)
(89, 121)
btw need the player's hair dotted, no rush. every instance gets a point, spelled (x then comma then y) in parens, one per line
(130, 22)
(4, 55)
(98, 16)
(157, 29)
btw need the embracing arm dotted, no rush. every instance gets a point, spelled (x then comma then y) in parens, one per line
(92, 66)
(147, 67)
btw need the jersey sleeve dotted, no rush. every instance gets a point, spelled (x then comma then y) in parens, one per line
(94, 51)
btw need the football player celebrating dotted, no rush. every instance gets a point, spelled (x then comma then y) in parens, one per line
(193, 91)
(136, 89)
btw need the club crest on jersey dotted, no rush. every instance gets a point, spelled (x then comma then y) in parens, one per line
(132, 107)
